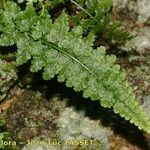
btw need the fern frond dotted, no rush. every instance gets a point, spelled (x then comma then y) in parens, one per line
(116, 32)
(61, 51)
(95, 15)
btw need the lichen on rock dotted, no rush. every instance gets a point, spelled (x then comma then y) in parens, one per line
(136, 19)
(32, 118)
(143, 9)
(74, 126)
(8, 76)
(140, 42)
(146, 104)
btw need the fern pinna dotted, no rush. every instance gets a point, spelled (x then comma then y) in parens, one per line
(95, 15)
(58, 50)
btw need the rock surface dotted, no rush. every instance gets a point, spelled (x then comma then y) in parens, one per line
(32, 119)
(137, 19)
(8, 76)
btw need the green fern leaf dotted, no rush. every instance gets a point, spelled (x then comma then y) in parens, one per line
(64, 52)
(90, 71)
(8, 28)
(95, 15)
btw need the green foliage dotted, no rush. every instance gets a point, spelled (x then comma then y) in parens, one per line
(48, 3)
(4, 136)
(95, 15)
(58, 50)
(55, 2)
(7, 77)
